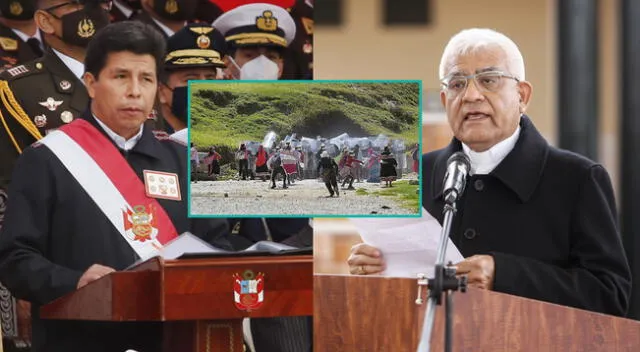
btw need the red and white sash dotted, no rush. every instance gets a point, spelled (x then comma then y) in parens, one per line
(105, 175)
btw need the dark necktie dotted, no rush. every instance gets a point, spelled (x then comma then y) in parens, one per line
(34, 44)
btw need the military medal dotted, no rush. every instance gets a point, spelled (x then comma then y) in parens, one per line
(248, 290)
(15, 8)
(86, 28)
(171, 6)
(51, 103)
(164, 185)
(66, 116)
(65, 85)
(40, 121)
(307, 48)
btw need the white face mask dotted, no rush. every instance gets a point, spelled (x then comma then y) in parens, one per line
(260, 68)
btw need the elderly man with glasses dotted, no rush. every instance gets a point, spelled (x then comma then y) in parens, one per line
(535, 221)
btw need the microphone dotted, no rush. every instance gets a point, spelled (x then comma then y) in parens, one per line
(458, 166)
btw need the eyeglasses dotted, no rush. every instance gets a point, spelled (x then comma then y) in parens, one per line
(106, 4)
(490, 81)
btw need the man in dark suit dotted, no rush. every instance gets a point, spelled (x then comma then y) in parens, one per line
(535, 221)
(20, 39)
(86, 199)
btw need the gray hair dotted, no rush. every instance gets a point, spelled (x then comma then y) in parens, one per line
(478, 39)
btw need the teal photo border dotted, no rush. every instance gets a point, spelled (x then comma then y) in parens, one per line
(210, 216)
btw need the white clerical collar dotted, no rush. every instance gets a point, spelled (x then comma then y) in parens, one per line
(118, 139)
(74, 65)
(26, 37)
(127, 12)
(483, 163)
(168, 31)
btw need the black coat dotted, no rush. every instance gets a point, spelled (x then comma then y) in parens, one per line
(547, 216)
(53, 232)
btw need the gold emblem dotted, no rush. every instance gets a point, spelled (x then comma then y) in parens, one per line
(8, 44)
(308, 25)
(86, 28)
(267, 22)
(203, 42)
(171, 6)
(201, 30)
(66, 116)
(39, 65)
(141, 223)
(15, 8)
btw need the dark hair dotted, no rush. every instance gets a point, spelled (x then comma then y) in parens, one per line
(133, 36)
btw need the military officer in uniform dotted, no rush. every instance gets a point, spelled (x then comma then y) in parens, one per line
(20, 40)
(258, 36)
(195, 52)
(167, 16)
(298, 60)
(43, 94)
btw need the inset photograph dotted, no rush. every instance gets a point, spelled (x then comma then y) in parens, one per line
(305, 148)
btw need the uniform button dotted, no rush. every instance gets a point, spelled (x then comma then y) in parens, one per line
(478, 185)
(469, 234)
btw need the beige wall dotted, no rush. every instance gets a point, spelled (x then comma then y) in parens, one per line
(363, 48)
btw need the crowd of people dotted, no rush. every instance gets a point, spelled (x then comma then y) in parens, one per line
(292, 160)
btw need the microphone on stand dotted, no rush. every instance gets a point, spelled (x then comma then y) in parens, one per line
(445, 281)
(458, 166)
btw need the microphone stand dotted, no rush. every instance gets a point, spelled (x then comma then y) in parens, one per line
(444, 282)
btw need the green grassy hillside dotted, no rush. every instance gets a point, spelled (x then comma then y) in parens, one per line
(227, 112)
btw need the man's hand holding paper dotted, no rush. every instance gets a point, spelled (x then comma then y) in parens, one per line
(399, 247)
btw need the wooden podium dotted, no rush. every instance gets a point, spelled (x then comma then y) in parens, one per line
(361, 313)
(193, 297)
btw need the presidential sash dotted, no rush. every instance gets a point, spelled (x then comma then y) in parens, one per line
(109, 180)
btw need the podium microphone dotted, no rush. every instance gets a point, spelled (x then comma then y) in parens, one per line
(458, 166)
(445, 281)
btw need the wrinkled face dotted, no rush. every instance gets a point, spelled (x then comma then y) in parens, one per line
(487, 110)
(124, 91)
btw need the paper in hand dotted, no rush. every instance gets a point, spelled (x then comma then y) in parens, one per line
(409, 245)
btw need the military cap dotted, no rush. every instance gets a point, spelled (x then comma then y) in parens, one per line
(195, 45)
(257, 24)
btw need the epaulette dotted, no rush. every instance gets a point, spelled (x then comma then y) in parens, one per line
(8, 44)
(24, 70)
(15, 111)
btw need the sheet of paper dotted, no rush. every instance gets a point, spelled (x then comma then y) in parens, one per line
(408, 245)
(187, 243)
